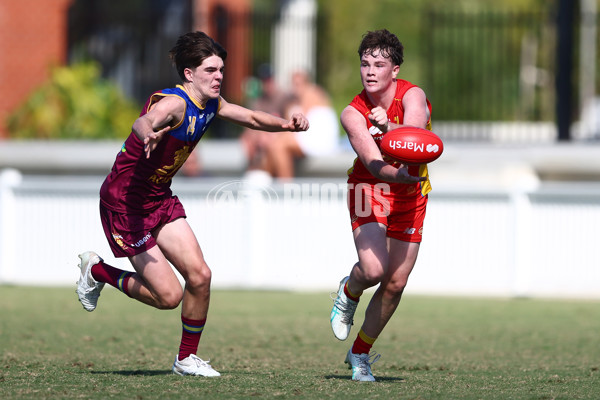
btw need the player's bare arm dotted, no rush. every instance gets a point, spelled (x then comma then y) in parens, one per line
(260, 120)
(151, 126)
(416, 112)
(368, 152)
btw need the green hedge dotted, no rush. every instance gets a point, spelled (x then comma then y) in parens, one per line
(75, 103)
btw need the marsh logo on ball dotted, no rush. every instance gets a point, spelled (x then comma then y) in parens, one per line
(412, 145)
(433, 148)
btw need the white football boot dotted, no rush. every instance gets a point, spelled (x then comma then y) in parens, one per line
(342, 313)
(360, 364)
(88, 289)
(193, 365)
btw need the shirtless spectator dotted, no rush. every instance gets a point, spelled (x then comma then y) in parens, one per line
(320, 139)
(270, 100)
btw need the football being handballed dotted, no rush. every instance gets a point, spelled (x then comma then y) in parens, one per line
(412, 145)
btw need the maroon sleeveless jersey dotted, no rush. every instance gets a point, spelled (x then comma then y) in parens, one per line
(137, 184)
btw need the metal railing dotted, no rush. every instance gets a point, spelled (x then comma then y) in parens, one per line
(495, 67)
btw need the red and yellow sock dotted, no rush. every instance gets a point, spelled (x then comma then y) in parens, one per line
(349, 294)
(363, 343)
(190, 336)
(118, 278)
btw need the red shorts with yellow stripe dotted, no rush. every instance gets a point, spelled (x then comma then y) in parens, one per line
(402, 215)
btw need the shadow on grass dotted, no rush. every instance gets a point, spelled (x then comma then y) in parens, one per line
(378, 379)
(133, 373)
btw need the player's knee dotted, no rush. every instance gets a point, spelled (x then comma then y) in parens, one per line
(395, 287)
(170, 300)
(200, 278)
(373, 274)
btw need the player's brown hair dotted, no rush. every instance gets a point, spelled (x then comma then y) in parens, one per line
(192, 49)
(384, 41)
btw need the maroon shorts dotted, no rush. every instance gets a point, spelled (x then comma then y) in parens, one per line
(131, 234)
(403, 216)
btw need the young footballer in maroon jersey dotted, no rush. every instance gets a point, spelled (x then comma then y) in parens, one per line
(141, 217)
(387, 200)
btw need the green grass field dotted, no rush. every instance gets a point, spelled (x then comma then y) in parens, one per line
(279, 345)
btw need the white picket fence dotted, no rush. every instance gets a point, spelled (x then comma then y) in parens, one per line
(477, 241)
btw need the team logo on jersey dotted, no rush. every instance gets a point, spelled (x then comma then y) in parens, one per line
(374, 131)
(165, 174)
(209, 117)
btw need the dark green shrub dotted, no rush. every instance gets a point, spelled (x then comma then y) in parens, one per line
(75, 103)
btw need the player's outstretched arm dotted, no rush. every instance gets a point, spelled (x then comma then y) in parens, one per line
(261, 120)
